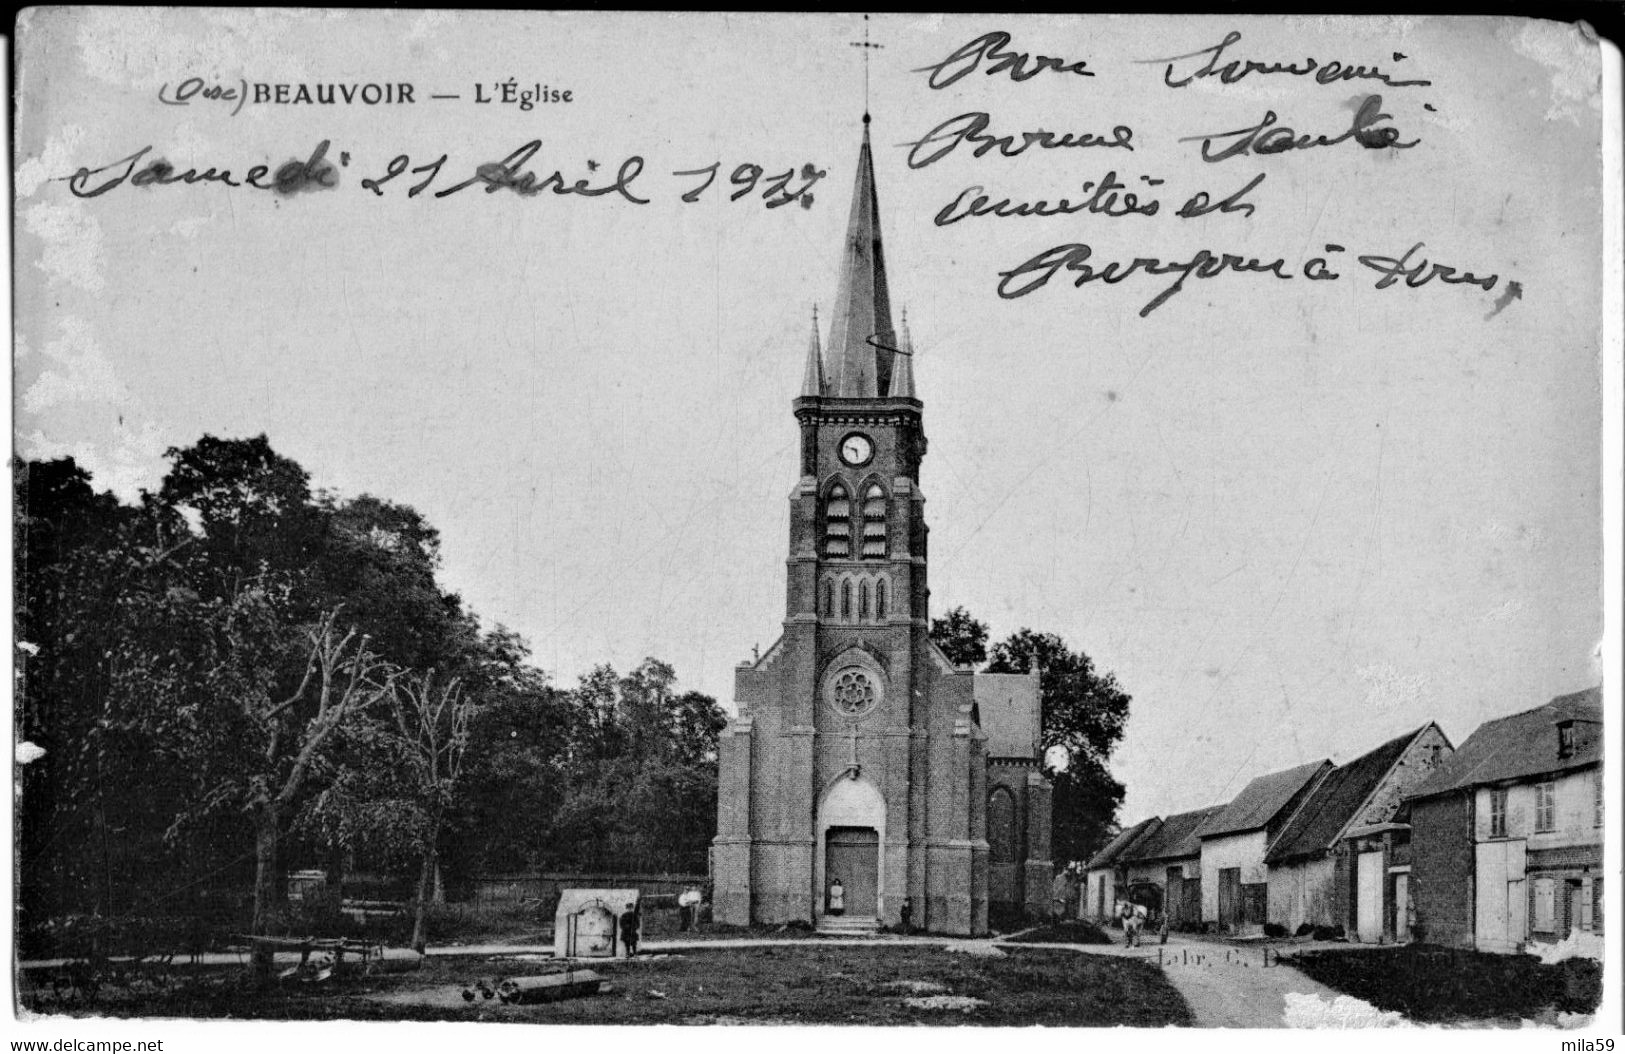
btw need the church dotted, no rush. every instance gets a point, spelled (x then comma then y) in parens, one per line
(866, 780)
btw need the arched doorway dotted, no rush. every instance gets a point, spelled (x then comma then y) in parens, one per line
(851, 832)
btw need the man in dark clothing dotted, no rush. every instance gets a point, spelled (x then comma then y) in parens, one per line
(630, 924)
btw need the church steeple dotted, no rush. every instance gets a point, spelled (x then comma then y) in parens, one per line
(812, 382)
(857, 368)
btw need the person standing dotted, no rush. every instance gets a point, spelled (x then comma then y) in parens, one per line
(837, 897)
(631, 923)
(688, 906)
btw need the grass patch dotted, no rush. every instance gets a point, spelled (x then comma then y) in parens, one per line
(1443, 985)
(797, 984)
(1071, 931)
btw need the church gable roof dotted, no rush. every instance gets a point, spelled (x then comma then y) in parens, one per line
(1008, 707)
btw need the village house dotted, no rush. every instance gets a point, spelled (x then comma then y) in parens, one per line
(1106, 880)
(1164, 869)
(1506, 834)
(1236, 841)
(1342, 861)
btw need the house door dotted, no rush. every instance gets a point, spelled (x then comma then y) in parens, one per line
(852, 854)
(1517, 911)
(1402, 907)
(1230, 896)
(1173, 900)
(1368, 893)
(1571, 908)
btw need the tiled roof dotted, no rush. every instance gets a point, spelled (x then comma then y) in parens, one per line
(1177, 837)
(1522, 745)
(1261, 799)
(1334, 803)
(1116, 847)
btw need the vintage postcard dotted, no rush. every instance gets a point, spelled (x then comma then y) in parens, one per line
(812, 520)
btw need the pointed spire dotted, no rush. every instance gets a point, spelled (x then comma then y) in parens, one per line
(858, 369)
(902, 371)
(813, 382)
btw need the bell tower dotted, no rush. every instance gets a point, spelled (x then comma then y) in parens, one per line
(853, 781)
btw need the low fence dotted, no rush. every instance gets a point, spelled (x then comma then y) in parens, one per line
(544, 887)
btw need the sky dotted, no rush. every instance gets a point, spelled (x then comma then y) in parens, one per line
(1294, 518)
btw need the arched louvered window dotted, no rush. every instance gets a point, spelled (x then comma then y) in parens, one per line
(880, 600)
(874, 521)
(838, 522)
(846, 599)
(863, 601)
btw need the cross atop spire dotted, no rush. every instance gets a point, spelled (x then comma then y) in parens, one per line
(867, 47)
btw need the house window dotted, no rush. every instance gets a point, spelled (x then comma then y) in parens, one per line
(1565, 739)
(1596, 904)
(1543, 919)
(838, 523)
(1546, 806)
(1584, 904)
(874, 521)
(1498, 812)
(1596, 782)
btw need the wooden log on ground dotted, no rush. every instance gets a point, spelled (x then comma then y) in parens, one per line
(571, 984)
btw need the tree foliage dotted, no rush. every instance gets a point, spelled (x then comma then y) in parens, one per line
(961, 637)
(237, 677)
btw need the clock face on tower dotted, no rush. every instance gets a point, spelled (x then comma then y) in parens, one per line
(857, 449)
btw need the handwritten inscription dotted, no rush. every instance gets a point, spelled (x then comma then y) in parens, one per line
(314, 173)
(1111, 198)
(1419, 273)
(512, 173)
(971, 128)
(1332, 72)
(1108, 197)
(1266, 137)
(1077, 258)
(974, 135)
(989, 48)
(1077, 261)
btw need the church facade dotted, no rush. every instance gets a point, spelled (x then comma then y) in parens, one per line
(861, 759)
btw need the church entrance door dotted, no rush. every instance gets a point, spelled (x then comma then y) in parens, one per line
(852, 854)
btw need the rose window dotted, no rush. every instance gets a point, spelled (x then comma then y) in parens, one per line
(853, 693)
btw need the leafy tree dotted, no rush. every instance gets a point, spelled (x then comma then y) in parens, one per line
(642, 791)
(431, 726)
(961, 637)
(524, 739)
